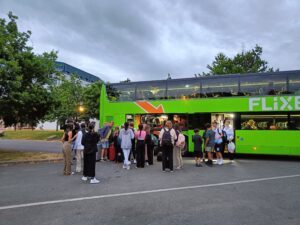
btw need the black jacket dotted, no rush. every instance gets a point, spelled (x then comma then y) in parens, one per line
(89, 141)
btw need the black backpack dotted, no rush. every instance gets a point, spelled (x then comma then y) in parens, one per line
(224, 137)
(166, 138)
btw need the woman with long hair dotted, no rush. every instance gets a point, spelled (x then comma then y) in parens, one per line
(67, 149)
(140, 135)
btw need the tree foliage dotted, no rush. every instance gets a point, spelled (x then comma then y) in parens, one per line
(68, 97)
(24, 76)
(91, 102)
(244, 62)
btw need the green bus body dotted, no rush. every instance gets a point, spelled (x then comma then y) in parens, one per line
(273, 99)
(275, 142)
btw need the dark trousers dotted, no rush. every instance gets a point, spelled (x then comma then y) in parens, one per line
(231, 156)
(132, 152)
(167, 157)
(150, 154)
(89, 164)
(140, 153)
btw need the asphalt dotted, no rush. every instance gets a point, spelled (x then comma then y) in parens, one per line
(31, 146)
(244, 192)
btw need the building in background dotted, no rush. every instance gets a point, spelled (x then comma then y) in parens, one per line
(68, 71)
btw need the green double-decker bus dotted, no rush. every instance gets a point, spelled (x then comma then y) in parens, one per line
(263, 108)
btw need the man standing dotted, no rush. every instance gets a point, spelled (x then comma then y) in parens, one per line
(209, 143)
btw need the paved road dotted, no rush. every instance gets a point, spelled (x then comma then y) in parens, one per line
(35, 146)
(246, 192)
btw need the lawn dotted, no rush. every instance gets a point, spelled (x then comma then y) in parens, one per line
(33, 135)
(15, 156)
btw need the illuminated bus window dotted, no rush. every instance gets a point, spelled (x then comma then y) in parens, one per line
(151, 90)
(178, 89)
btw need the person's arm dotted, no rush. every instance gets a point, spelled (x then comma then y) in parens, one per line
(74, 138)
(63, 138)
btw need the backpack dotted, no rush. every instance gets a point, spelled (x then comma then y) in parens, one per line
(166, 138)
(103, 131)
(224, 137)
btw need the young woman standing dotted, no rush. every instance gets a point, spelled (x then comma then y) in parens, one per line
(140, 135)
(126, 135)
(67, 149)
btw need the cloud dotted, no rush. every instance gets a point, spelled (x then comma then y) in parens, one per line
(146, 40)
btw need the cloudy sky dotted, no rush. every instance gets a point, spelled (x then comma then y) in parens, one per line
(147, 39)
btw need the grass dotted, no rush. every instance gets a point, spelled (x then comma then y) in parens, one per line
(32, 134)
(15, 156)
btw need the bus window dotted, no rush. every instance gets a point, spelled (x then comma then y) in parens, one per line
(178, 89)
(294, 84)
(121, 92)
(264, 122)
(262, 85)
(151, 90)
(294, 122)
(220, 87)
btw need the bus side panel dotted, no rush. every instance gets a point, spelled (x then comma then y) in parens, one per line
(277, 142)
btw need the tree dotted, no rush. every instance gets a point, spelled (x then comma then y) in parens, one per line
(91, 100)
(125, 81)
(24, 76)
(245, 62)
(68, 97)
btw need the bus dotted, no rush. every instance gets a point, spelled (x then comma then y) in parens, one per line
(263, 108)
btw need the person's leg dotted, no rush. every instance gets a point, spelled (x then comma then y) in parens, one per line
(171, 157)
(150, 155)
(85, 165)
(78, 160)
(142, 155)
(176, 157)
(146, 154)
(93, 164)
(180, 158)
(65, 159)
(164, 158)
(138, 154)
(68, 159)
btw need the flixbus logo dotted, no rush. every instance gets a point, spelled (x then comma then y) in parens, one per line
(283, 103)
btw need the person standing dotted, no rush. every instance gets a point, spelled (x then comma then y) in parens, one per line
(198, 154)
(117, 145)
(67, 149)
(89, 141)
(140, 135)
(79, 148)
(218, 142)
(104, 139)
(126, 135)
(167, 137)
(178, 146)
(132, 150)
(230, 137)
(209, 143)
(149, 146)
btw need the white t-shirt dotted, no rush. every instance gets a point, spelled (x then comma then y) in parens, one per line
(78, 144)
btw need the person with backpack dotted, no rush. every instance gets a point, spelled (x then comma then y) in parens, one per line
(126, 135)
(219, 135)
(167, 137)
(198, 154)
(178, 146)
(140, 136)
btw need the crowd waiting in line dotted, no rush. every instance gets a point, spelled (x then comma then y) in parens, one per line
(136, 146)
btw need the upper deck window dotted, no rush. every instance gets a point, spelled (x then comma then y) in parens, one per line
(153, 90)
(121, 92)
(294, 84)
(220, 87)
(183, 89)
(263, 85)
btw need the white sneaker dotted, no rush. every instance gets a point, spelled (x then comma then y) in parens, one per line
(147, 164)
(129, 163)
(219, 161)
(128, 167)
(124, 166)
(84, 178)
(94, 181)
(134, 161)
(222, 161)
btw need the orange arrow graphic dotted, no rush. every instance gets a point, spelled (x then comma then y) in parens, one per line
(149, 108)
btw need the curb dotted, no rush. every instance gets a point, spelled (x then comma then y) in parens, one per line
(30, 162)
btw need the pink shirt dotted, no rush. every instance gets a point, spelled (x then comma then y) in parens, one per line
(140, 135)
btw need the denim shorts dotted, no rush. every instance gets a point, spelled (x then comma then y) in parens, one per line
(208, 149)
(105, 144)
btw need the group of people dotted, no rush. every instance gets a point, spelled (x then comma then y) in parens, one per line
(215, 139)
(136, 146)
(84, 142)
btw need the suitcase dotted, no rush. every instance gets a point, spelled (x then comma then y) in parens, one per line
(112, 153)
